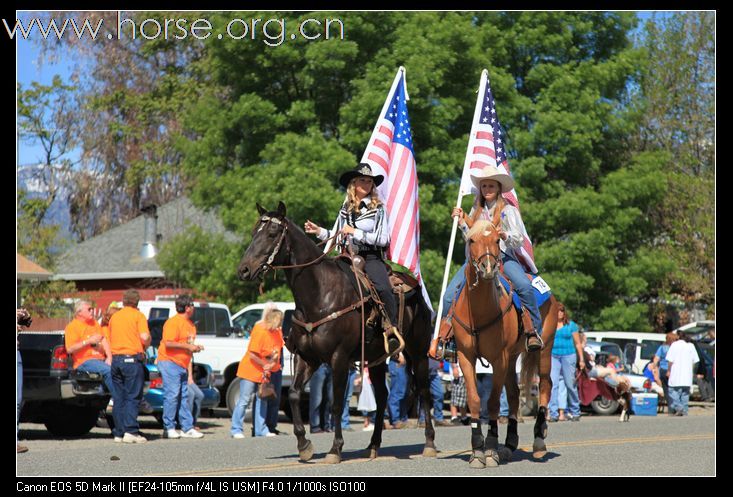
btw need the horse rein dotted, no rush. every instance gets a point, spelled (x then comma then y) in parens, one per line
(474, 331)
(276, 249)
(334, 315)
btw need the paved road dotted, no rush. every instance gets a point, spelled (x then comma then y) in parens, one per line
(597, 445)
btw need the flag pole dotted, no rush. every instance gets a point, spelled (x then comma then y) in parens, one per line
(466, 167)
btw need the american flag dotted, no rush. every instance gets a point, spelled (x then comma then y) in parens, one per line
(390, 153)
(486, 147)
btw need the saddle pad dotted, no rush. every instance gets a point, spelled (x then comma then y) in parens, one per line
(541, 297)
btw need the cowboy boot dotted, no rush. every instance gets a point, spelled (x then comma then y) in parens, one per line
(437, 345)
(534, 341)
(433, 350)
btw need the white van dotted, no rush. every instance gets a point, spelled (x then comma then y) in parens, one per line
(210, 318)
(246, 318)
(647, 345)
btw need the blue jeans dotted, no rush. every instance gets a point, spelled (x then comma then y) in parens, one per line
(246, 390)
(484, 382)
(273, 405)
(321, 383)
(19, 395)
(679, 399)
(100, 367)
(128, 377)
(503, 403)
(436, 393)
(564, 365)
(175, 396)
(455, 285)
(195, 398)
(514, 271)
(397, 392)
(345, 422)
(562, 394)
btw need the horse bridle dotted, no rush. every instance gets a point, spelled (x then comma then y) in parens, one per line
(276, 249)
(475, 263)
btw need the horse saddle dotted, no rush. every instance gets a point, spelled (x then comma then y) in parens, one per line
(541, 291)
(359, 278)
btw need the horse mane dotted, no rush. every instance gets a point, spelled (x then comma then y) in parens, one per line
(479, 226)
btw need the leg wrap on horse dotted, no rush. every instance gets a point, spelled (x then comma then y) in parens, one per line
(477, 459)
(512, 438)
(540, 426)
(492, 437)
(477, 438)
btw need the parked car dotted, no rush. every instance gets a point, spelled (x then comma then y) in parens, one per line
(204, 378)
(639, 383)
(68, 402)
(648, 345)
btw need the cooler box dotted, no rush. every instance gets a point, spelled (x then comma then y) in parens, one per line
(644, 404)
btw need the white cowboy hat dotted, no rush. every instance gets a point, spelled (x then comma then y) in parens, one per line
(492, 172)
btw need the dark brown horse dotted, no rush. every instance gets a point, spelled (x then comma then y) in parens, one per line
(321, 288)
(486, 325)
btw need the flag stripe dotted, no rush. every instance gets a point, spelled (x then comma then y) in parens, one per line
(390, 153)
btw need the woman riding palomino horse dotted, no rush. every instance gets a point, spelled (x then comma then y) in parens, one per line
(490, 183)
(327, 326)
(486, 324)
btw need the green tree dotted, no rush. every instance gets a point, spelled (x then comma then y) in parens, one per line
(677, 118)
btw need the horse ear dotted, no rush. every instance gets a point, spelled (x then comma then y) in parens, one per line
(281, 209)
(260, 209)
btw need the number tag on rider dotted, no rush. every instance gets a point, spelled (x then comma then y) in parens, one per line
(540, 285)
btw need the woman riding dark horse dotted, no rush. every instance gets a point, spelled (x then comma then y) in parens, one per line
(327, 326)
(363, 221)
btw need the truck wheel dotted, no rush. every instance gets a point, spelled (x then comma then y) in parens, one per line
(232, 395)
(604, 406)
(72, 421)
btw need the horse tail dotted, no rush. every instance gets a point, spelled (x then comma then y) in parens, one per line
(530, 369)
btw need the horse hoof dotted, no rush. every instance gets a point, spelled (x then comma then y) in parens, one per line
(539, 449)
(332, 459)
(505, 454)
(429, 452)
(370, 453)
(477, 463)
(307, 453)
(492, 458)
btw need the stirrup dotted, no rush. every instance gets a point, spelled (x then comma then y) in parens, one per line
(389, 342)
(538, 343)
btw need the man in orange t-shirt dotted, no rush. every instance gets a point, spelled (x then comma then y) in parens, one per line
(87, 344)
(129, 336)
(174, 357)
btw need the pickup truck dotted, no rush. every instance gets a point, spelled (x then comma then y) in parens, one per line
(67, 402)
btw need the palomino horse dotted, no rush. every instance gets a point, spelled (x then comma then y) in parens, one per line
(486, 325)
(321, 291)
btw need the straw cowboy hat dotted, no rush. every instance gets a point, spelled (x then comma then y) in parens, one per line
(362, 169)
(492, 172)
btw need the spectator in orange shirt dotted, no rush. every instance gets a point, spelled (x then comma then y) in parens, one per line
(174, 358)
(129, 336)
(262, 358)
(87, 344)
